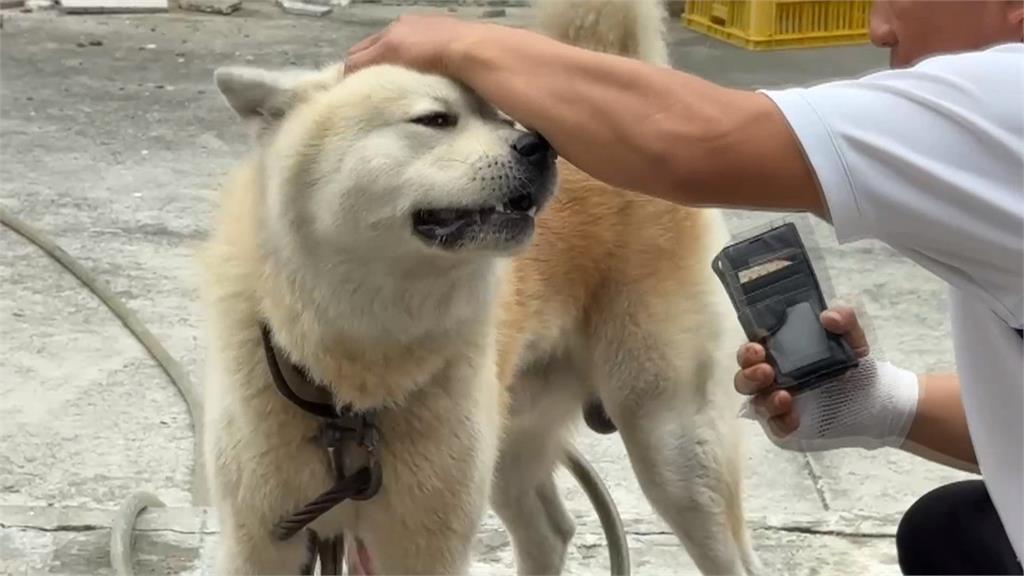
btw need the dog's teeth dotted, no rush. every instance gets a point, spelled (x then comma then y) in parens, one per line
(532, 212)
(446, 230)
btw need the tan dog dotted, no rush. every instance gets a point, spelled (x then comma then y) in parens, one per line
(406, 246)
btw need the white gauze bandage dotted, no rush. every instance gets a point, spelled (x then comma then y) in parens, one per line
(871, 406)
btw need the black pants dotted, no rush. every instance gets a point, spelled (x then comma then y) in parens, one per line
(955, 530)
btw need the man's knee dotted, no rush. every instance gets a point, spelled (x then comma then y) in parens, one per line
(925, 524)
(954, 529)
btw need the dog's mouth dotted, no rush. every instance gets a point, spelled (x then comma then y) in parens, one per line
(502, 223)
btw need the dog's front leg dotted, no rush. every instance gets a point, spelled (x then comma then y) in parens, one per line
(259, 475)
(437, 454)
(249, 551)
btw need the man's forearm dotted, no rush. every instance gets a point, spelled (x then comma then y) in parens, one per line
(640, 127)
(939, 430)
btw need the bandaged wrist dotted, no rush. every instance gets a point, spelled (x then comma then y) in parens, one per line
(871, 406)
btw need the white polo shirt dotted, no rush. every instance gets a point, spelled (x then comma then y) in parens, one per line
(930, 160)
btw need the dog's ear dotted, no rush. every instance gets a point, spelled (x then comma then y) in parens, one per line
(265, 96)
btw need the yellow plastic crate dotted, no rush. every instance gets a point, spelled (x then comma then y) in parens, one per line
(775, 24)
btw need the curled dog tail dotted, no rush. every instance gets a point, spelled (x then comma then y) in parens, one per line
(630, 28)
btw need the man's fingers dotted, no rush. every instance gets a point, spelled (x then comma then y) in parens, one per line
(754, 375)
(754, 379)
(370, 50)
(784, 425)
(843, 320)
(357, 59)
(749, 354)
(365, 43)
(773, 405)
(365, 57)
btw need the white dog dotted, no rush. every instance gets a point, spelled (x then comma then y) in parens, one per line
(419, 256)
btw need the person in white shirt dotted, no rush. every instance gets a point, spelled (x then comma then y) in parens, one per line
(927, 157)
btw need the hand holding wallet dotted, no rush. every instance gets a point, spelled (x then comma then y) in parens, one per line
(778, 300)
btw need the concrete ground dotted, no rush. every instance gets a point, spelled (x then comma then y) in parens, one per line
(116, 150)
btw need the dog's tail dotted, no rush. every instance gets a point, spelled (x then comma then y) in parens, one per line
(631, 28)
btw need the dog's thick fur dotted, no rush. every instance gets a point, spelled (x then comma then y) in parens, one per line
(479, 359)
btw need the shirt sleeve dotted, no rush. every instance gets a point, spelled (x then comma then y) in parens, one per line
(929, 160)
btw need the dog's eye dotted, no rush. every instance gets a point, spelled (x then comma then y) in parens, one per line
(436, 120)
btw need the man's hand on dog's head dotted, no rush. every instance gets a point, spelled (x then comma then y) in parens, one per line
(422, 42)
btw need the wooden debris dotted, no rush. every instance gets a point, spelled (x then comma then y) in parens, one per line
(210, 6)
(304, 8)
(112, 6)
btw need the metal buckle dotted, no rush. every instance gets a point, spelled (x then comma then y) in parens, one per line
(368, 439)
(359, 431)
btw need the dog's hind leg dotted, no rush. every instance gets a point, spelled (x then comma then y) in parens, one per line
(525, 495)
(670, 398)
(536, 519)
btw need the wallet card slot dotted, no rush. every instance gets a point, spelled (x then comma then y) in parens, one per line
(770, 271)
(766, 317)
(779, 288)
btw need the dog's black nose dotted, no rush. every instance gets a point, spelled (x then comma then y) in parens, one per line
(532, 146)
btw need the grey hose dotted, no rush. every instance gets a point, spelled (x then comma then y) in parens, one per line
(122, 527)
(607, 513)
(124, 521)
(167, 363)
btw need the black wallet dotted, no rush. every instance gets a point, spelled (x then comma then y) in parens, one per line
(778, 300)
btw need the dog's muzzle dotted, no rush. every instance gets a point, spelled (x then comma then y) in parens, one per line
(526, 187)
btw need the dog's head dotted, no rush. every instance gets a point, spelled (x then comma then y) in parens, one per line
(389, 162)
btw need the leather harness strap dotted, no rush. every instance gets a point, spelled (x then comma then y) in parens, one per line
(340, 429)
(289, 378)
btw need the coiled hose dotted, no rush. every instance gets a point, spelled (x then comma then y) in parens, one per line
(121, 530)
